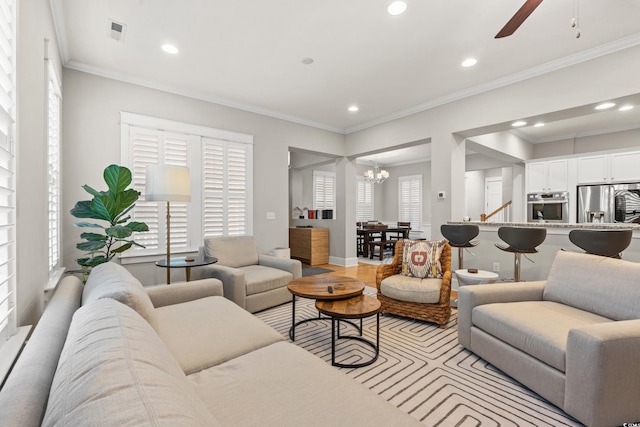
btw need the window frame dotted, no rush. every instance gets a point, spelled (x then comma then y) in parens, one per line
(195, 134)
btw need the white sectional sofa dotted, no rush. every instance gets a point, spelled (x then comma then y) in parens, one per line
(115, 354)
(573, 338)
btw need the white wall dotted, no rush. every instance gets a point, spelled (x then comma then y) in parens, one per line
(588, 144)
(92, 105)
(35, 24)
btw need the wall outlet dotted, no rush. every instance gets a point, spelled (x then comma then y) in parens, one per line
(496, 267)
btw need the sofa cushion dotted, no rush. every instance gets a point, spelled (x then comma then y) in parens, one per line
(421, 258)
(234, 251)
(114, 370)
(259, 279)
(538, 328)
(208, 331)
(412, 289)
(605, 286)
(287, 386)
(111, 280)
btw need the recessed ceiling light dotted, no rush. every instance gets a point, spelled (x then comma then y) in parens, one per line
(397, 8)
(605, 105)
(469, 62)
(518, 123)
(169, 48)
(538, 125)
(626, 108)
(354, 108)
(307, 61)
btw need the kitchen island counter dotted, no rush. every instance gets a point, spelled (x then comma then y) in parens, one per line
(555, 225)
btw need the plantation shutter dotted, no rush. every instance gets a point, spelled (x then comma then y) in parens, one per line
(53, 149)
(7, 172)
(157, 147)
(324, 190)
(364, 200)
(410, 200)
(225, 188)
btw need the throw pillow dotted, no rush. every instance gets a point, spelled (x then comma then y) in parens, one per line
(421, 258)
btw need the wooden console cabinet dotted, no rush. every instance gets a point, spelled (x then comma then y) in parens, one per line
(309, 245)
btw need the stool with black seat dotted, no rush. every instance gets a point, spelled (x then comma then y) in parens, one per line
(607, 243)
(460, 236)
(521, 240)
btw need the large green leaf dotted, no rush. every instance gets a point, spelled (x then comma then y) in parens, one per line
(87, 224)
(91, 190)
(100, 211)
(123, 213)
(137, 226)
(121, 248)
(93, 237)
(82, 209)
(119, 231)
(90, 246)
(117, 178)
(110, 205)
(124, 200)
(93, 261)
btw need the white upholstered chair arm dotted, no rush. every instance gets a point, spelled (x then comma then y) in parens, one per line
(293, 266)
(602, 370)
(233, 281)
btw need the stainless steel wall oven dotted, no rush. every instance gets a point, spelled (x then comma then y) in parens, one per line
(548, 207)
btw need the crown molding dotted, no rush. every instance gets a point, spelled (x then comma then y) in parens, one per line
(576, 135)
(198, 95)
(539, 70)
(60, 28)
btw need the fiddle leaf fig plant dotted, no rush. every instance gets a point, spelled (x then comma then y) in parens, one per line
(103, 242)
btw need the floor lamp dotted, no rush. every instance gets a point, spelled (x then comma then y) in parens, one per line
(167, 183)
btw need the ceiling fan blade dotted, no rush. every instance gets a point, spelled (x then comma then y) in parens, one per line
(520, 16)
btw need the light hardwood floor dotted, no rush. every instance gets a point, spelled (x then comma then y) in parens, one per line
(363, 272)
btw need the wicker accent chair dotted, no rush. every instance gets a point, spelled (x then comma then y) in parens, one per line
(436, 313)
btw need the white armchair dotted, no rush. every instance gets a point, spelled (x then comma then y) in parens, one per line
(251, 280)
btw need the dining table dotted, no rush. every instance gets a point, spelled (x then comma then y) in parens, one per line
(369, 233)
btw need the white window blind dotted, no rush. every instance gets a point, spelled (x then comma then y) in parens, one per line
(364, 200)
(150, 146)
(7, 171)
(220, 165)
(410, 200)
(324, 190)
(226, 188)
(53, 149)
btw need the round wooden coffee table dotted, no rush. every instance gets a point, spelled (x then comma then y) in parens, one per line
(317, 287)
(353, 308)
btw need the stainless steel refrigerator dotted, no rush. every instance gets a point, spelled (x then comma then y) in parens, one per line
(609, 203)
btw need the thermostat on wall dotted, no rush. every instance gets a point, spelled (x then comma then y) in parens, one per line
(442, 194)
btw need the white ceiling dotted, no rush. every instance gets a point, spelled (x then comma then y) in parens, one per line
(248, 53)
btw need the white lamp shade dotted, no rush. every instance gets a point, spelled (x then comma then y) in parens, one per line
(168, 183)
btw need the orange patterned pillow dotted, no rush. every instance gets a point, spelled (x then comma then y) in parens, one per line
(421, 258)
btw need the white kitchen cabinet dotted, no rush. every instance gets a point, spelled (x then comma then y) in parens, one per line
(609, 168)
(547, 176)
(593, 169)
(625, 167)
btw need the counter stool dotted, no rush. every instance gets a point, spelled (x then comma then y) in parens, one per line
(607, 243)
(459, 236)
(521, 240)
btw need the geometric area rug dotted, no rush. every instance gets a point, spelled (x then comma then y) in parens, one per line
(423, 371)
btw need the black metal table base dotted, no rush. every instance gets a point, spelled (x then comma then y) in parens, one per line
(294, 324)
(335, 337)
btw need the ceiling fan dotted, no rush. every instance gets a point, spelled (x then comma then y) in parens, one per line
(520, 16)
